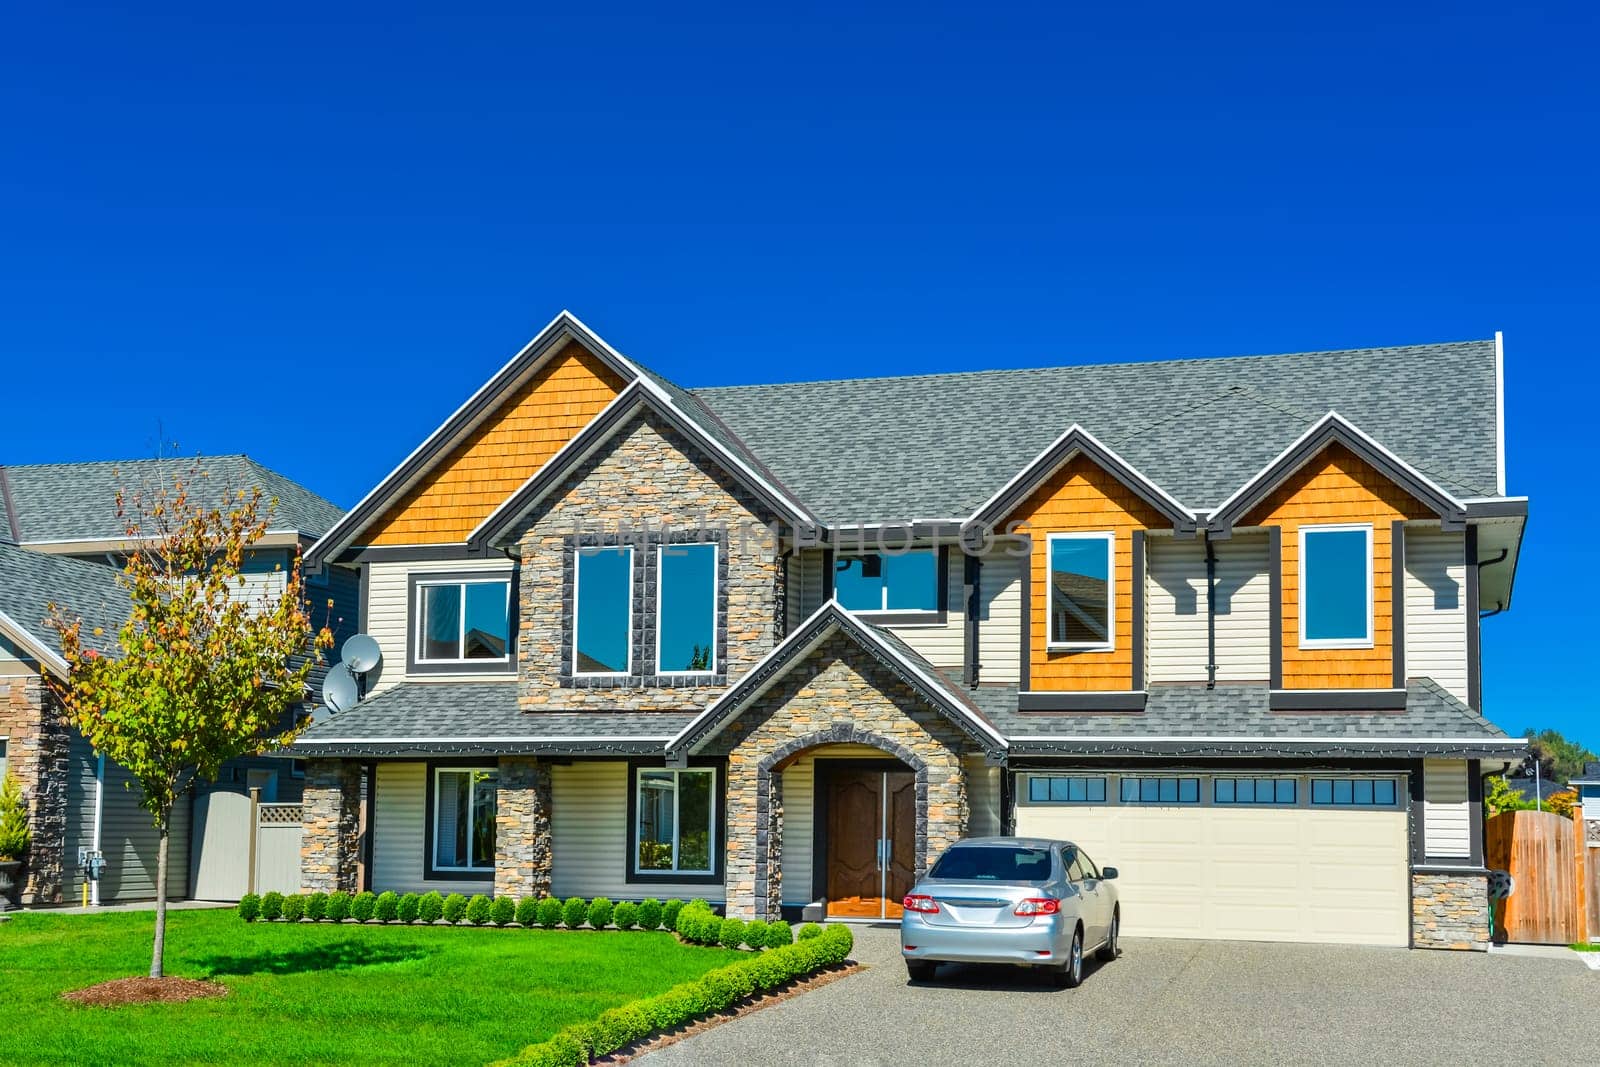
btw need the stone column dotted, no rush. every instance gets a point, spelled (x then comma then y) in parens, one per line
(330, 841)
(37, 752)
(1450, 911)
(746, 801)
(522, 845)
(947, 812)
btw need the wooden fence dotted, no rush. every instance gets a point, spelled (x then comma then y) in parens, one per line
(1546, 857)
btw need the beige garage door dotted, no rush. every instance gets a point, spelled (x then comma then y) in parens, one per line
(1334, 872)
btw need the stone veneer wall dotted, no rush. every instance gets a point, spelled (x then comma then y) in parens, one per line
(330, 840)
(648, 477)
(1450, 910)
(523, 849)
(37, 742)
(840, 692)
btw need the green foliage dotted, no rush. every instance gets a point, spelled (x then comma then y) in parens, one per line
(1560, 760)
(455, 908)
(650, 914)
(700, 658)
(669, 913)
(574, 911)
(528, 911)
(363, 906)
(478, 909)
(338, 907)
(502, 911)
(409, 908)
(14, 837)
(317, 906)
(625, 915)
(387, 907)
(698, 924)
(755, 934)
(600, 910)
(549, 912)
(808, 931)
(271, 906)
(731, 934)
(1501, 797)
(430, 909)
(779, 934)
(294, 906)
(249, 907)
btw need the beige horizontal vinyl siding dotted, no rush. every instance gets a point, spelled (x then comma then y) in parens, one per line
(983, 798)
(1176, 615)
(400, 834)
(592, 839)
(1436, 608)
(1446, 811)
(128, 837)
(805, 591)
(1000, 619)
(940, 642)
(388, 612)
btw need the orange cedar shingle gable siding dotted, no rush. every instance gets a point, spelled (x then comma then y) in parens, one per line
(1339, 487)
(1082, 497)
(491, 464)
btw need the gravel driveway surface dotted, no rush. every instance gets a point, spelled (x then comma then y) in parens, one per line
(1191, 1002)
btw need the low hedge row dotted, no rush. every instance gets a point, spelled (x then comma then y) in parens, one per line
(715, 991)
(699, 925)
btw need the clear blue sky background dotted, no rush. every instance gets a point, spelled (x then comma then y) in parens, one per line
(309, 238)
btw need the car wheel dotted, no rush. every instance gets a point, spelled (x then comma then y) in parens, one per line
(921, 970)
(1108, 951)
(1069, 972)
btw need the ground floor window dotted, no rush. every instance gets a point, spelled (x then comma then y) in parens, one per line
(675, 821)
(463, 818)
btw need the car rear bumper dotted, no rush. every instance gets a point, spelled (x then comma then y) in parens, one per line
(1046, 940)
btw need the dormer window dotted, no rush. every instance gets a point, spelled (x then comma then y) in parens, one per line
(462, 623)
(888, 581)
(1336, 586)
(1082, 592)
(604, 623)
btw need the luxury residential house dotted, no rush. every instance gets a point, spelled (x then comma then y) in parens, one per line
(62, 542)
(777, 646)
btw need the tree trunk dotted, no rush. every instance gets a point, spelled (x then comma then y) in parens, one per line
(157, 953)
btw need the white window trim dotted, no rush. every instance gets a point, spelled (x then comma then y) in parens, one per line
(716, 613)
(1110, 643)
(677, 823)
(1334, 642)
(577, 571)
(424, 584)
(883, 607)
(472, 801)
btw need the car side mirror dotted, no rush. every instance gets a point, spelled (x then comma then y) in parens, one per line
(1108, 873)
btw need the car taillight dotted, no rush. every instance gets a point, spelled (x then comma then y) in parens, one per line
(920, 902)
(1039, 906)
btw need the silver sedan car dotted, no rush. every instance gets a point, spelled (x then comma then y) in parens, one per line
(1030, 901)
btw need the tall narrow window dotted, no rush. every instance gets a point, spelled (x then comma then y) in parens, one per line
(675, 820)
(1082, 588)
(604, 599)
(463, 818)
(1335, 586)
(466, 622)
(888, 581)
(686, 609)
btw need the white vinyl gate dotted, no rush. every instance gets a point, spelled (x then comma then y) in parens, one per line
(240, 846)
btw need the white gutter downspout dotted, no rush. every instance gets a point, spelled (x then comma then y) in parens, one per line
(99, 810)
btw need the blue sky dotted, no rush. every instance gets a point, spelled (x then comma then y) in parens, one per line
(366, 215)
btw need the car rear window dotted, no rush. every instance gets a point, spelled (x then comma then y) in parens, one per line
(994, 863)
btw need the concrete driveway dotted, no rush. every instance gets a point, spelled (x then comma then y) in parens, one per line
(1181, 1002)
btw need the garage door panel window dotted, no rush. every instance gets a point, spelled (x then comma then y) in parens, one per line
(1276, 791)
(1066, 789)
(1160, 790)
(1354, 792)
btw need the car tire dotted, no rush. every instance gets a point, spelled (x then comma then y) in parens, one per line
(1108, 951)
(921, 970)
(1069, 973)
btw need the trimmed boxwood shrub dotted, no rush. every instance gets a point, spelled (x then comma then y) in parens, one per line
(430, 909)
(294, 906)
(502, 911)
(669, 913)
(808, 931)
(549, 912)
(271, 905)
(387, 907)
(731, 934)
(455, 908)
(249, 907)
(779, 934)
(625, 915)
(573, 912)
(696, 922)
(600, 910)
(362, 907)
(527, 912)
(650, 914)
(409, 908)
(338, 907)
(478, 909)
(317, 906)
(755, 934)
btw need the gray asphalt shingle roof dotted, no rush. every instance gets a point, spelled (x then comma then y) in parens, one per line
(77, 501)
(30, 581)
(937, 446)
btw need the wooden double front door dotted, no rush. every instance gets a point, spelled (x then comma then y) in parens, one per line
(871, 842)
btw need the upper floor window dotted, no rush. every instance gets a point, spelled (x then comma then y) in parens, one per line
(604, 604)
(888, 581)
(686, 609)
(1082, 587)
(1336, 586)
(465, 621)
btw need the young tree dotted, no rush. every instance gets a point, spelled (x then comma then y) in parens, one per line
(1560, 759)
(204, 673)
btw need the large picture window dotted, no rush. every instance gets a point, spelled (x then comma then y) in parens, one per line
(686, 609)
(1082, 591)
(604, 601)
(888, 581)
(463, 621)
(675, 821)
(463, 818)
(1336, 587)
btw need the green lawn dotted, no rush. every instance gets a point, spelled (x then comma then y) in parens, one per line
(319, 993)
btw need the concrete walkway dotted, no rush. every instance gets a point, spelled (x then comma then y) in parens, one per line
(1190, 1002)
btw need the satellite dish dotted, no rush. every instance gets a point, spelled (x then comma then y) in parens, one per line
(339, 689)
(361, 653)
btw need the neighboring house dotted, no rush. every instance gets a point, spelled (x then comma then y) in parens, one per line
(61, 541)
(1588, 787)
(777, 646)
(1530, 789)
